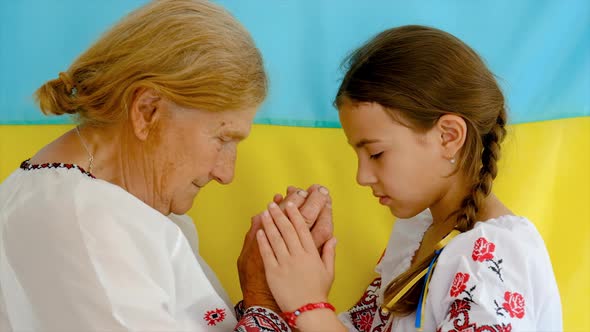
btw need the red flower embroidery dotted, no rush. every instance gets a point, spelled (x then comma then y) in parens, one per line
(459, 284)
(504, 328)
(458, 307)
(514, 304)
(213, 317)
(483, 250)
(364, 321)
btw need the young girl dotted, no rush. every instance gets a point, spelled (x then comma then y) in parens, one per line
(426, 119)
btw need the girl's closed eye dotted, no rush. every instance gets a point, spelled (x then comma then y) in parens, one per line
(376, 155)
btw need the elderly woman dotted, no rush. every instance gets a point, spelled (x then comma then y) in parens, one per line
(161, 101)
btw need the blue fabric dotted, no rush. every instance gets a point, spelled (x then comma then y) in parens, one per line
(540, 50)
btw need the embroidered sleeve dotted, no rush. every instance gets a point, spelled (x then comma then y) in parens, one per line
(485, 282)
(239, 310)
(365, 313)
(260, 319)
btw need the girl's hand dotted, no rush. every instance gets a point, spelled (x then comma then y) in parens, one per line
(295, 271)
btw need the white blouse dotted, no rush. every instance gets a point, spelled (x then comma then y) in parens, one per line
(81, 254)
(495, 277)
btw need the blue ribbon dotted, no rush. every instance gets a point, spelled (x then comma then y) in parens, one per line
(418, 322)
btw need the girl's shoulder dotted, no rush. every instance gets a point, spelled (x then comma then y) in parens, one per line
(498, 273)
(513, 235)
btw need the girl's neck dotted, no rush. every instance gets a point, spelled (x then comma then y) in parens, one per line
(442, 210)
(448, 203)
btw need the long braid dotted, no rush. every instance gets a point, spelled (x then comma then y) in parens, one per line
(489, 169)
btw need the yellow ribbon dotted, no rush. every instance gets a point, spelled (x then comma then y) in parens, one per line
(441, 244)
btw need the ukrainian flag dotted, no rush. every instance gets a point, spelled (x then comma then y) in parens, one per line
(540, 50)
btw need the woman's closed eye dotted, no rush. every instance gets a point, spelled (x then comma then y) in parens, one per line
(224, 139)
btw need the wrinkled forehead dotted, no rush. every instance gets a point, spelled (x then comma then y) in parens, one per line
(235, 124)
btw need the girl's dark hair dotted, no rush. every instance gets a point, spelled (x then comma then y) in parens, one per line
(419, 74)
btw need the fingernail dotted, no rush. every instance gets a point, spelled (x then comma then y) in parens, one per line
(324, 190)
(272, 205)
(290, 204)
(266, 213)
(302, 193)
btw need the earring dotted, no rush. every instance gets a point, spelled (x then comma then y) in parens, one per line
(452, 160)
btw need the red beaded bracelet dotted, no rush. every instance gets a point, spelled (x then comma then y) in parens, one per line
(291, 317)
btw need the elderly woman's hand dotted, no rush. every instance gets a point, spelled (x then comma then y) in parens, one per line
(316, 210)
(315, 206)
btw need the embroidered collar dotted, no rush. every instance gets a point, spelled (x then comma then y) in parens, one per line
(27, 166)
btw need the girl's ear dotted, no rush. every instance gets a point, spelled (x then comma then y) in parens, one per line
(452, 130)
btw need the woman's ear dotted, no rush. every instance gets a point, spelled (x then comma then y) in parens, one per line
(453, 132)
(144, 112)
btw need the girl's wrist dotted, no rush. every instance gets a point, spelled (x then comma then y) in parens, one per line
(312, 315)
(321, 320)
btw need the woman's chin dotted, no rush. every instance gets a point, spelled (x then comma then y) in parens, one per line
(181, 207)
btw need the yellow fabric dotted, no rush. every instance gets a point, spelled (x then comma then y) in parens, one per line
(544, 175)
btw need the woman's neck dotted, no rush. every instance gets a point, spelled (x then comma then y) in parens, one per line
(117, 157)
(122, 159)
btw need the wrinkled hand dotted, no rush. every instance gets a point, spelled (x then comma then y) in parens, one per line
(315, 205)
(296, 272)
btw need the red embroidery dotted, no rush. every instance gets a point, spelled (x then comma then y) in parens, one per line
(458, 307)
(483, 250)
(504, 328)
(25, 165)
(459, 284)
(459, 317)
(257, 319)
(364, 313)
(213, 317)
(364, 321)
(514, 304)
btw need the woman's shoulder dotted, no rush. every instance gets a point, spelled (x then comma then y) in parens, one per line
(56, 196)
(98, 201)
